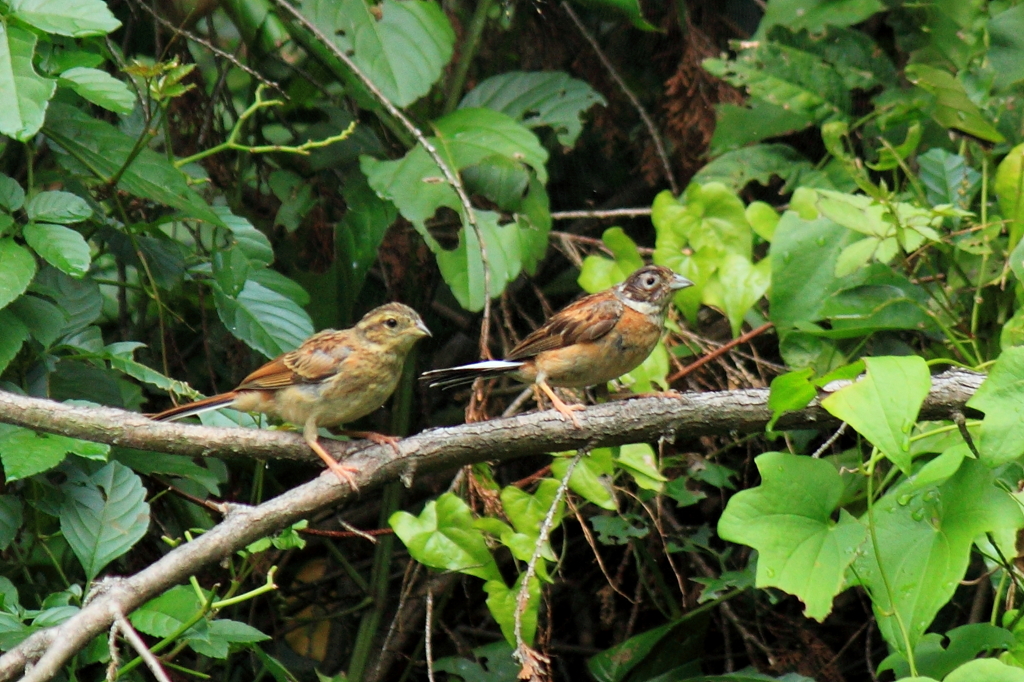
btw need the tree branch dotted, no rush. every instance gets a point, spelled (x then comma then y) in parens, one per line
(615, 423)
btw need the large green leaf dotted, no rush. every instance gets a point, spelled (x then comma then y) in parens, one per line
(79, 301)
(27, 93)
(503, 603)
(17, 267)
(415, 185)
(15, 333)
(76, 18)
(536, 99)
(1006, 44)
(61, 247)
(99, 149)
(11, 518)
(738, 285)
(25, 453)
(253, 243)
(12, 196)
(816, 15)
(757, 163)
(358, 235)
(924, 546)
(103, 515)
(1001, 398)
(883, 405)
(737, 126)
(58, 207)
(788, 520)
(264, 319)
(787, 77)
(986, 670)
(1009, 186)
(443, 537)
(401, 46)
(947, 178)
(164, 615)
(100, 88)
(953, 108)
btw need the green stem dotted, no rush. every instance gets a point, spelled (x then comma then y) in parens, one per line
(469, 49)
(876, 456)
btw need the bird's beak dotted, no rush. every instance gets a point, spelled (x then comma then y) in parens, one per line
(422, 328)
(679, 282)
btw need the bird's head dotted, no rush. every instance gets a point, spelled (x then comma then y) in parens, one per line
(394, 326)
(651, 287)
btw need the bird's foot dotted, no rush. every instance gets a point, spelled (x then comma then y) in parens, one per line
(376, 439)
(567, 411)
(344, 473)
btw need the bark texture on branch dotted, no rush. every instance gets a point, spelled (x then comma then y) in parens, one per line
(45, 653)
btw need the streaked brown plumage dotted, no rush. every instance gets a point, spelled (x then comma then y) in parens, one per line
(592, 340)
(333, 378)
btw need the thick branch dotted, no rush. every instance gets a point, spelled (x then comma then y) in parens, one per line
(637, 420)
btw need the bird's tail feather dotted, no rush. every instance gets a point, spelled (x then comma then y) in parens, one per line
(467, 374)
(205, 405)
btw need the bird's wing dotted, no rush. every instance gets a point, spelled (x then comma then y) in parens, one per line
(585, 320)
(319, 357)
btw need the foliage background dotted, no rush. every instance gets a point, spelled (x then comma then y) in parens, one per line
(188, 189)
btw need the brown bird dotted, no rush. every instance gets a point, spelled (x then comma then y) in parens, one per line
(333, 378)
(591, 341)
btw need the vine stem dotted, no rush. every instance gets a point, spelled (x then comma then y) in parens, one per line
(877, 456)
(450, 175)
(644, 116)
(523, 598)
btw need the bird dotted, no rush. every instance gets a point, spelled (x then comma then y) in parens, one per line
(593, 340)
(332, 378)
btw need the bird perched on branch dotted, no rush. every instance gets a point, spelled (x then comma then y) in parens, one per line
(333, 378)
(591, 341)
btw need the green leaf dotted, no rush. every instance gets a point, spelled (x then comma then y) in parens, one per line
(1006, 43)
(216, 638)
(173, 465)
(502, 602)
(953, 108)
(265, 320)
(986, 670)
(28, 93)
(100, 88)
(58, 207)
(1001, 398)
(415, 185)
(253, 243)
(1009, 186)
(79, 300)
(12, 196)
(924, 546)
(75, 18)
(490, 663)
(737, 126)
(599, 273)
(936, 661)
(628, 8)
(164, 615)
(443, 537)
(787, 77)
(61, 247)
(104, 515)
(652, 652)
(763, 219)
(100, 150)
(527, 512)
(947, 178)
(14, 335)
(25, 453)
(737, 287)
(816, 15)
(358, 236)
(790, 391)
(640, 462)
(402, 47)
(619, 529)
(759, 163)
(883, 406)
(591, 479)
(11, 519)
(537, 99)
(788, 520)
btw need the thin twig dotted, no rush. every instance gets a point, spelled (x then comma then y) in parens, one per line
(720, 351)
(212, 48)
(593, 547)
(129, 633)
(608, 213)
(450, 175)
(648, 121)
(832, 439)
(427, 638)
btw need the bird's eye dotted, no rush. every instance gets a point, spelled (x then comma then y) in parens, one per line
(391, 323)
(650, 281)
